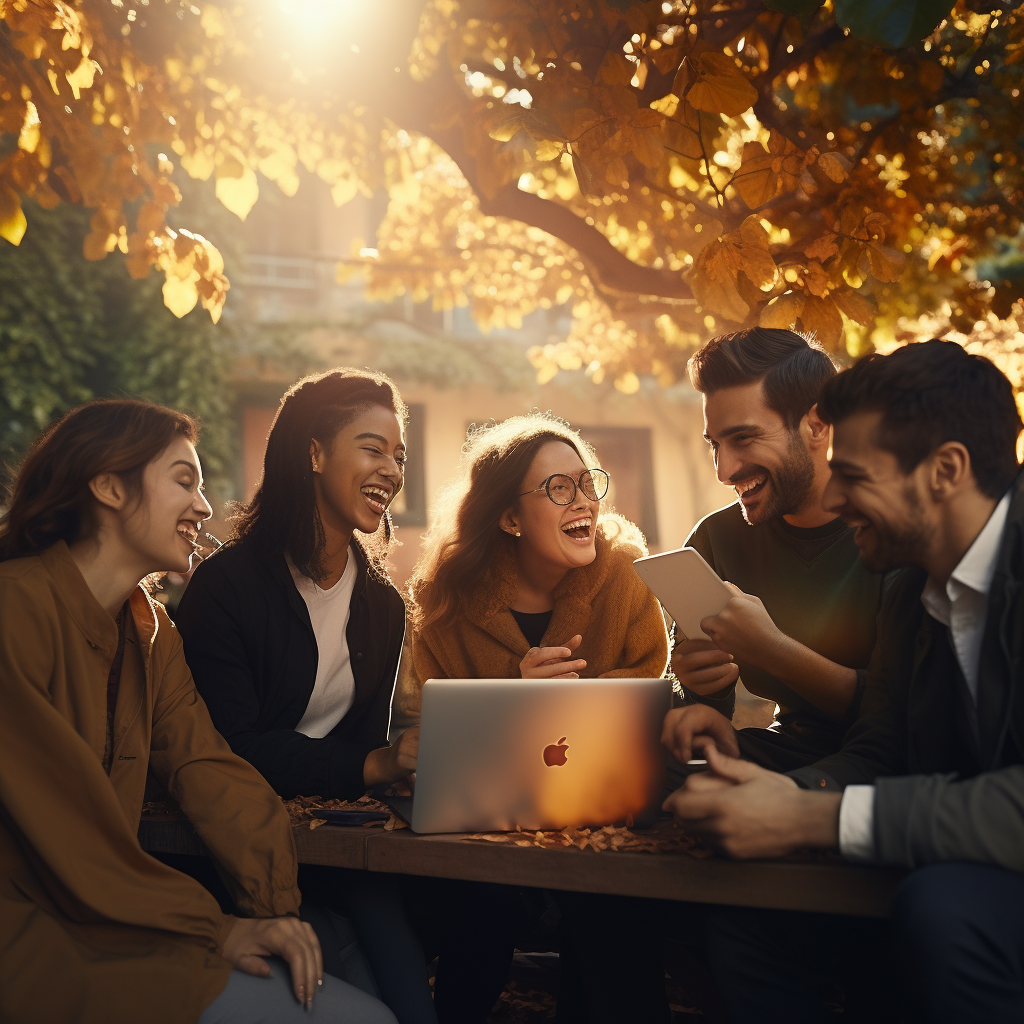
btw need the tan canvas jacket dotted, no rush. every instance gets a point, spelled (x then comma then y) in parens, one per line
(606, 602)
(92, 929)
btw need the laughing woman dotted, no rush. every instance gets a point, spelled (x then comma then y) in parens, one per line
(294, 631)
(522, 575)
(95, 692)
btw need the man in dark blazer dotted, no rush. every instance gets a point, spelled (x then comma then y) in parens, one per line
(931, 777)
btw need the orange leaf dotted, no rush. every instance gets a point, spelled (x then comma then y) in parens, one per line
(715, 277)
(714, 83)
(822, 248)
(12, 217)
(821, 318)
(756, 181)
(833, 166)
(815, 279)
(783, 311)
(856, 306)
(885, 264)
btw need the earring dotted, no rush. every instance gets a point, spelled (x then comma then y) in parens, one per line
(518, 534)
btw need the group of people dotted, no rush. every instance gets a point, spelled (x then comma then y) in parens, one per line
(875, 554)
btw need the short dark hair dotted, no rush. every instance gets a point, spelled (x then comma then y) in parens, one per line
(930, 393)
(792, 369)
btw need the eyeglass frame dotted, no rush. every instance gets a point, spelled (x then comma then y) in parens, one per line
(546, 487)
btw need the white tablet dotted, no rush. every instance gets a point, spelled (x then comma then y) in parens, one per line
(688, 588)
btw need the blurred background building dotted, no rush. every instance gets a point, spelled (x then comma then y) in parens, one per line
(450, 373)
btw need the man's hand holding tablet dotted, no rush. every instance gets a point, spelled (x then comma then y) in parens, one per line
(719, 621)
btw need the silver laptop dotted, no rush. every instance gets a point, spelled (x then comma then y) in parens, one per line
(497, 754)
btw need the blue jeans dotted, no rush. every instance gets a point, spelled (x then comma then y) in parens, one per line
(250, 1000)
(953, 953)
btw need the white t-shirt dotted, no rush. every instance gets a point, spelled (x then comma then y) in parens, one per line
(335, 686)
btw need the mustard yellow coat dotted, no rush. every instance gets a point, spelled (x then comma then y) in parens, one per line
(92, 929)
(606, 602)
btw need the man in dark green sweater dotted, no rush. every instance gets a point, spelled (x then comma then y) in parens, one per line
(801, 627)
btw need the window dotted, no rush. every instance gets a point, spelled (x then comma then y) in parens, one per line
(625, 452)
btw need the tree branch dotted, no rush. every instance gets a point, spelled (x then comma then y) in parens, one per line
(611, 272)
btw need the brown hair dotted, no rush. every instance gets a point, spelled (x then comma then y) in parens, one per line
(465, 529)
(283, 516)
(791, 369)
(50, 500)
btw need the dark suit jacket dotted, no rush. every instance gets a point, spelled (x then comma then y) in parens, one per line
(949, 776)
(250, 645)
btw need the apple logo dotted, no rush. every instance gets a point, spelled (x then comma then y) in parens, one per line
(554, 753)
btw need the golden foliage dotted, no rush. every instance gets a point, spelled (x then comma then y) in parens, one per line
(667, 170)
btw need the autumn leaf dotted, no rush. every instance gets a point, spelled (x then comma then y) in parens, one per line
(815, 279)
(885, 264)
(856, 306)
(820, 318)
(718, 266)
(833, 166)
(712, 82)
(784, 311)
(538, 124)
(686, 131)
(239, 194)
(756, 181)
(12, 217)
(180, 295)
(822, 248)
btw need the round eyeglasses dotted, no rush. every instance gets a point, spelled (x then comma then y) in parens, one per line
(561, 489)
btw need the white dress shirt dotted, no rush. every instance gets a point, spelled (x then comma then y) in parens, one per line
(334, 689)
(961, 606)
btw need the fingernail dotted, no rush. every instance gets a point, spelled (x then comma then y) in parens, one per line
(320, 981)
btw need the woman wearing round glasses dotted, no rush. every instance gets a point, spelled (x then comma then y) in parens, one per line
(523, 574)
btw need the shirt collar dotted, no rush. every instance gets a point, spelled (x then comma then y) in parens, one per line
(978, 566)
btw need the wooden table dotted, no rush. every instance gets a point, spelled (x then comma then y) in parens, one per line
(822, 886)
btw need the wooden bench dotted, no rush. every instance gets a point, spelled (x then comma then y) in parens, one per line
(816, 884)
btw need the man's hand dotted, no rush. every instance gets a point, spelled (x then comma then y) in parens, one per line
(703, 667)
(552, 662)
(689, 731)
(389, 764)
(744, 629)
(251, 939)
(747, 811)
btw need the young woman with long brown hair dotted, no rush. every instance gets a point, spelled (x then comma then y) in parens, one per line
(294, 632)
(523, 573)
(95, 692)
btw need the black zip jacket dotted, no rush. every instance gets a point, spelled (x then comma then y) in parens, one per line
(250, 645)
(949, 775)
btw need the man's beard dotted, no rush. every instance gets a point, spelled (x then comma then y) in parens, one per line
(788, 487)
(898, 545)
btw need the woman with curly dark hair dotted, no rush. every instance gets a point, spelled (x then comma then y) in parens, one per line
(294, 632)
(526, 573)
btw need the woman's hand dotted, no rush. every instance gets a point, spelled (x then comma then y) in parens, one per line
(251, 939)
(690, 731)
(552, 662)
(389, 764)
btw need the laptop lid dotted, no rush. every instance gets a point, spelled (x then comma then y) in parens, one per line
(538, 753)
